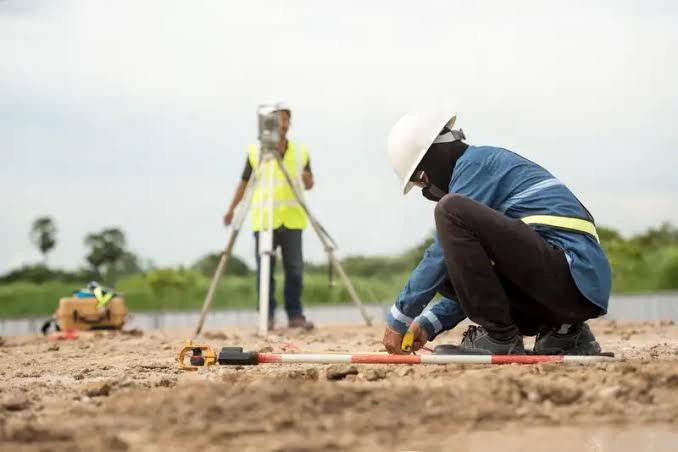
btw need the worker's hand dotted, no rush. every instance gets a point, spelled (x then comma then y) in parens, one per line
(392, 341)
(228, 218)
(307, 177)
(420, 336)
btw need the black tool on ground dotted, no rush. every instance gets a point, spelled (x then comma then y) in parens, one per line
(235, 356)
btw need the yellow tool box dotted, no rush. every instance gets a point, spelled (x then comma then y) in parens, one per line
(92, 308)
(84, 314)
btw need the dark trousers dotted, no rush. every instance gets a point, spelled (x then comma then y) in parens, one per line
(507, 278)
(289, 241)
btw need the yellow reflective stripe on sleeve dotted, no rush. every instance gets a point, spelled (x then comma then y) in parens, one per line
(573, 224)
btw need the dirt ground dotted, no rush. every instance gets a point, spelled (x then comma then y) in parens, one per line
(108, 391)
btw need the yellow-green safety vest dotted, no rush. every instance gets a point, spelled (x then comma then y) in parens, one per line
(286, 210)
(102, 296)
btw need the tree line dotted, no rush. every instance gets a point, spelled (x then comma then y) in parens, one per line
(646, 261)
(107, 258)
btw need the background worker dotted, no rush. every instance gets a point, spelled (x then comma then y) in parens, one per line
(289, 219)
(515, 250)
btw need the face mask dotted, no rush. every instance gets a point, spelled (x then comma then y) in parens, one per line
(438, 164)
(433, 193)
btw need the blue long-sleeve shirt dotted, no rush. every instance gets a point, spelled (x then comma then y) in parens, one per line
(516, 187)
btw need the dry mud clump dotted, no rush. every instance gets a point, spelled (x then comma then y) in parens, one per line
(123, 392)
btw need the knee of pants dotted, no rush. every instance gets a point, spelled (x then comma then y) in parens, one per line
(294, 272)
(452, 204)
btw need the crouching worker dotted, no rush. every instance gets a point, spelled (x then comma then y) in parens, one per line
(515, 251)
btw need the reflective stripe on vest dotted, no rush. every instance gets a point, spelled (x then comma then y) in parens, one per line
(286, 210)
(567, 223)
(276, 204)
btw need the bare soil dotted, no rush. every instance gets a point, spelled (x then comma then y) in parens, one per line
(115, 391)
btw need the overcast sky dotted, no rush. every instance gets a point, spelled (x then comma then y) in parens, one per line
(137, 114)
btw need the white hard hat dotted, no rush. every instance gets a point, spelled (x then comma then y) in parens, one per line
(411, 137)
(282, 106)
(278, 104)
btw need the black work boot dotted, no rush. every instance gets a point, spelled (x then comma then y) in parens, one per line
(300, 322)
(574, 339)
(478, 341)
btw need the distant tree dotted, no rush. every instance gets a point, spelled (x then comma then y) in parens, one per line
(128, 264)
(106, 249)
(654, 238)
(164, 281)
(43, 235)
(207, 265)
(608, 235)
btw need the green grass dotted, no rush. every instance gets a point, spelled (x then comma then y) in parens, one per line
(635, 268)
(27, 299)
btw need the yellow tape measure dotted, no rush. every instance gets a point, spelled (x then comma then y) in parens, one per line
(408, 340)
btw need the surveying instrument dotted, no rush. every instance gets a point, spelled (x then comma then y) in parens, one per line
(268, 118)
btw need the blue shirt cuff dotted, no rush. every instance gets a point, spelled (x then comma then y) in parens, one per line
(426, 325)
(397, 321)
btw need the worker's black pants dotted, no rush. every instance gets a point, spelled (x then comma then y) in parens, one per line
(507, 278)
(289, 241)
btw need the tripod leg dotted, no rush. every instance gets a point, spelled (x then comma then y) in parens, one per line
(232, 235)
(207, 303)
(326, 240)
(349, 286)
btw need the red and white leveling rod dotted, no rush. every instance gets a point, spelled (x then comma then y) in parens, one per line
(202, 355)
(321, 358)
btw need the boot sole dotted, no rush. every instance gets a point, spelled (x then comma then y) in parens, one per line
(593, 348)
(448, 349)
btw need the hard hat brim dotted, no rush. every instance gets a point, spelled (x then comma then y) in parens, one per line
(408, 184)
